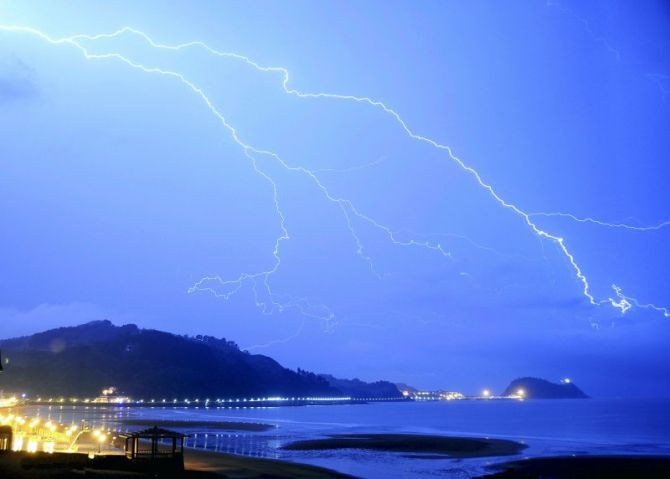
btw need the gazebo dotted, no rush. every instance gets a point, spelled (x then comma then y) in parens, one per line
(156, 447)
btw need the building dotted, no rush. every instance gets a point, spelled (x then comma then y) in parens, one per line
(434, 395)
(111, 396)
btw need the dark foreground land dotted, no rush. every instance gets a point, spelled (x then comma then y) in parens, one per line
(585, 467)
(212, 465)
(198, 464)
(438, 446)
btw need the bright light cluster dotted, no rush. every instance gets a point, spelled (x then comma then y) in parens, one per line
(35, 434)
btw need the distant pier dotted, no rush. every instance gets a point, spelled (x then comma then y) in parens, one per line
(255, 402)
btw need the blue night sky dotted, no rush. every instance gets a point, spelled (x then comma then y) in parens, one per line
(198, 193)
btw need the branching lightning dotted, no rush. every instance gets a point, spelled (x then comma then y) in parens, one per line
(351, 168)
(598, 222)
(628, 302)
(660, 80)
(587, 27)
(269, 301)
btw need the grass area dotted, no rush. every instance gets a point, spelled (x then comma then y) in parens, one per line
(437, 446)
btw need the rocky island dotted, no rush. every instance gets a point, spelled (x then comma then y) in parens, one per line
(536, 388)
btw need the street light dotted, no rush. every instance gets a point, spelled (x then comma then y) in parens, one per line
(101, 439)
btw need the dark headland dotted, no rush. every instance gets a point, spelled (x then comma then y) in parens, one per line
(536, 388)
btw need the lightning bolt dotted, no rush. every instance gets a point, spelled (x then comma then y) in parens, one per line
(660, 79)
(598, 222)
(225, 288)
(628, 302)
(307, 310)
(216, 285)
(587, 27)
(351, 168)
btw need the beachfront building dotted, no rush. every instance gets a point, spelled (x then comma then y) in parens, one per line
(111, 395)
(434, 395)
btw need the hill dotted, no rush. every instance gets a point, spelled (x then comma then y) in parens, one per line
(83, 360)
(536, 388)
(361, 389)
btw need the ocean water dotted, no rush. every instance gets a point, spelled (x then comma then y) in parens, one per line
(549, 427)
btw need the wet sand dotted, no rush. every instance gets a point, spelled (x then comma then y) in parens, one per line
(584, 467)
(432, 446)
(194, 425)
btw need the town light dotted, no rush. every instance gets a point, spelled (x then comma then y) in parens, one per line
(101, 439)
(32, 446)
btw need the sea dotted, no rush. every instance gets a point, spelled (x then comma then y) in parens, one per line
(547, 427)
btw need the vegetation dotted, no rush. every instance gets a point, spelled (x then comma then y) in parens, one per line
(85, 359)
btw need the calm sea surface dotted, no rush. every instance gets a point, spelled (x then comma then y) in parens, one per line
(593, 426)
